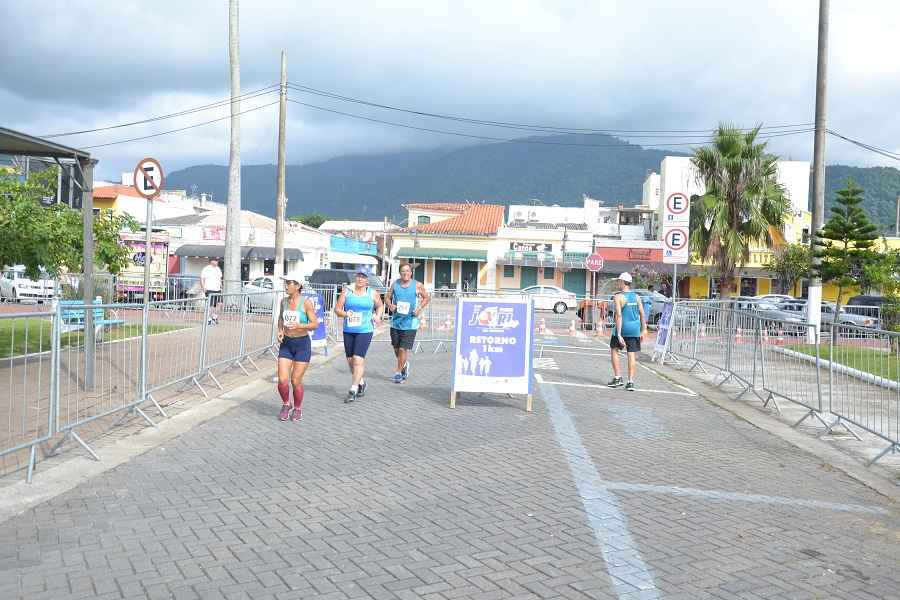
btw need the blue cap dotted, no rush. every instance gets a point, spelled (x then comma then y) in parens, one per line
(363, 273)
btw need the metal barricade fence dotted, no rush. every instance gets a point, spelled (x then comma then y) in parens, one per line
(103, 379)
(863, 380)
(27, 377)
(224, 340)
(259, 331)
(175, 337)
(329, 295)
(790, 368)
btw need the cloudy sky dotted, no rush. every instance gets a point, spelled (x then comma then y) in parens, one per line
(647, 65)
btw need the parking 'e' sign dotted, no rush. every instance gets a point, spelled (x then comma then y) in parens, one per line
(148, 178)
(677, 205)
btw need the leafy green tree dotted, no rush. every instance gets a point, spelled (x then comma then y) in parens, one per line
(52, 237)
(313, 220)
(846, 244)
(743, 204)
(790, 263)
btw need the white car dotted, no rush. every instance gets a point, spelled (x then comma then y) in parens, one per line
(262, 293)
(774, 298)
(16, 287)
(550, 297)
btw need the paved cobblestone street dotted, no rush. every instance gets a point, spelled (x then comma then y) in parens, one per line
(597, 494)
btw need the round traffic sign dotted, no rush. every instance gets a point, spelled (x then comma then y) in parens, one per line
(594, 262)
(676, 238)
(148, 178)
(677, 203)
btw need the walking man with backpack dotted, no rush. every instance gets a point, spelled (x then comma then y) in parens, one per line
(629, 330)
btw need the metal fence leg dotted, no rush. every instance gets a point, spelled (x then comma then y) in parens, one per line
(32, 455)
(84, 444)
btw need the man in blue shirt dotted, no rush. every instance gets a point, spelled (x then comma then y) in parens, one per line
(630, 329)
(406, 298)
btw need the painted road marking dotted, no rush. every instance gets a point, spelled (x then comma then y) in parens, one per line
(630, 576)
(540, 379)
(546, 363)
(738, 497)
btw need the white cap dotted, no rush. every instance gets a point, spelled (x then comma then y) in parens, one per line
(626, 277)
(294, 276)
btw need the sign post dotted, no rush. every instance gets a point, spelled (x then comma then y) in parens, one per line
(493, 349)
(676, 235)
(148, 182)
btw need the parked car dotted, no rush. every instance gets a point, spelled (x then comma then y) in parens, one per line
(262, 293)
(655, 301)
(774, 298)
(769, 311)
(870, 306)
(16, 287)
(550, 297)
(799, 307)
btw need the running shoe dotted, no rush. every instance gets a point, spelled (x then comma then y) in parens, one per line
(362, 389)
(398, 378)
(296, 415)
(351, 396)
(629, 387)
(405, 371)
(615, 382)
(285, 412)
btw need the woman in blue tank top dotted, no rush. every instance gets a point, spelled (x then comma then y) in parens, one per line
(627, 333)
(361, 308)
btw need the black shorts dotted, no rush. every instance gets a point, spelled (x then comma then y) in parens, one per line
(214, 297)
(632, 344)
(403, 338)
(357, 344)
(298, 349)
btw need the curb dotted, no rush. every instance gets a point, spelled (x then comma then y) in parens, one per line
(872, 477)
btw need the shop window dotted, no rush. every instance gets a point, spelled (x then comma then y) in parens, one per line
(509, 271)
(748, 286)
(424, 220)
(548, 273)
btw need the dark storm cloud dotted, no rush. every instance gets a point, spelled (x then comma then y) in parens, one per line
(616, 65)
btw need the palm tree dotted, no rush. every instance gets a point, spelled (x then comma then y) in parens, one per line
(743, 205)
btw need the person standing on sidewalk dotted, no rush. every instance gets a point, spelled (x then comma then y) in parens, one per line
(406, 299)
(362, 309)
(630, 329)
(296, 319)
(211, 284)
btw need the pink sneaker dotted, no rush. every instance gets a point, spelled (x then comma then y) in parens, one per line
(285, 412)
(296, 415)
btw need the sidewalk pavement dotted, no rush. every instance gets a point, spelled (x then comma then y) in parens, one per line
(597, 494)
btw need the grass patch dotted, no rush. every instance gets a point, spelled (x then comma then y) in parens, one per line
(29, 335)
(868, 360)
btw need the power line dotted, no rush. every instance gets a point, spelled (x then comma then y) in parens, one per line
(219, 103)
(146, 137)
(523, 126)
(523, 140)
(869, 147)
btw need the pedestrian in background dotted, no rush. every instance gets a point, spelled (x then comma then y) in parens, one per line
(211, 284)
(361, 308)
(296, 319)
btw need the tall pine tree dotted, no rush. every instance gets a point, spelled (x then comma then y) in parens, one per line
(846, 242)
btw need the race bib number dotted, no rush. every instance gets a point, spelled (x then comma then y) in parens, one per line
(403, 308)
(290, 318)
(354, 319)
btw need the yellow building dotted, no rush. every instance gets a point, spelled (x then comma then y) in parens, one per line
(450, 245)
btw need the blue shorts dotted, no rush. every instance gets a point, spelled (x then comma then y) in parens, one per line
(357, 344)
(297, 349)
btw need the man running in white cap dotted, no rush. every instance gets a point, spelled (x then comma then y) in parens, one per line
(630, 329)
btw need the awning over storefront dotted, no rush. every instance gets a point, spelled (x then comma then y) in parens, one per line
(350, 258)
(570, 260)
(247, 252)
(443, 254)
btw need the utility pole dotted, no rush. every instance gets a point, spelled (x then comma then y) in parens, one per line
(280, 200)
(897, 225)
(233, 214)
(814, 305)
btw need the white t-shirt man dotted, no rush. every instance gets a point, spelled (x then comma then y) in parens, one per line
(211, 278)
